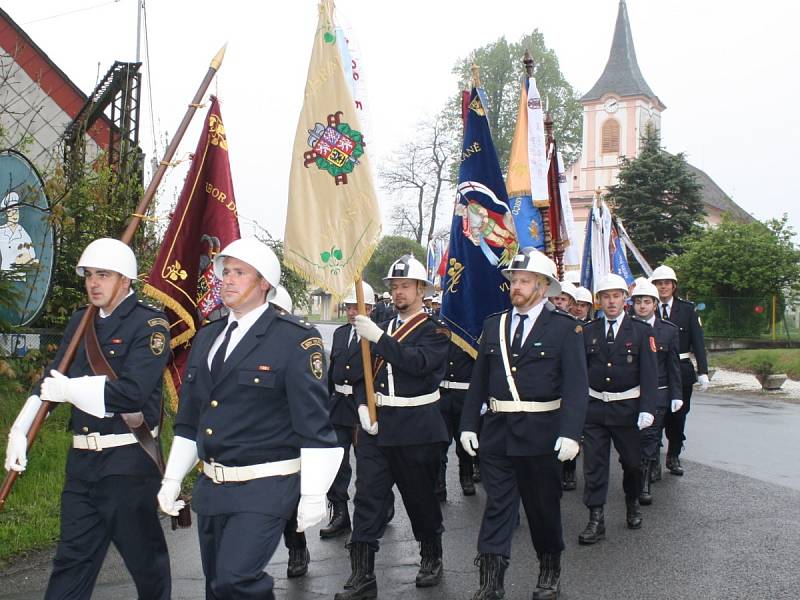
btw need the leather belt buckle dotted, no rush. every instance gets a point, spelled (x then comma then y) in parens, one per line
(606, 397)
(493, 405)
(378, 399)
(219, 473)
(93, 442)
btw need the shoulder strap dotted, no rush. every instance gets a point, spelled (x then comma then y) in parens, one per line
(400, 334)
(512, 385)
(135, 420)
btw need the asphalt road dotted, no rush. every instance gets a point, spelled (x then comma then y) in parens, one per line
(729, 528)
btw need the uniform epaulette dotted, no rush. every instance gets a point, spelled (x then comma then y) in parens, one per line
(495, 314)
(342, 326)
(670, 323)
(438, 320)
(682, 301)
(150, 305)
(595, 320)
(285, 316)
(564, 313)
(636, 319)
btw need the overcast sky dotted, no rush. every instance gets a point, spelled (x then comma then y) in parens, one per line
(726, 70)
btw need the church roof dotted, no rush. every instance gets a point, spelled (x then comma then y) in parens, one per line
(621, 76)
(713, 196)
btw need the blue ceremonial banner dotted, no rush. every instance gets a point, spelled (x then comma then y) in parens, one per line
(482, 236)
(619, 261)
(587, 275)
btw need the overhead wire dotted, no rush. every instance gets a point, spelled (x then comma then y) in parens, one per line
(71, 12)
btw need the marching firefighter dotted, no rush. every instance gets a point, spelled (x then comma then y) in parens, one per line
(404, 445)
(683, 314)
(582, 309)
(623, 386)
(532, 372)
(111, 479)
(253, 409)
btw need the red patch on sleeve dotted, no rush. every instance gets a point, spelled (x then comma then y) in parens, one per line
(652, 343)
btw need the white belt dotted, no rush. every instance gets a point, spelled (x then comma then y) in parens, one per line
(454, 385)
(399, 401)
(528, 406)
(614, 396)
(221, 474)
(685, 356)
(96, 442)
(347, 390)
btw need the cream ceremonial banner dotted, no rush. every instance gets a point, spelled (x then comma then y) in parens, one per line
(333, 221)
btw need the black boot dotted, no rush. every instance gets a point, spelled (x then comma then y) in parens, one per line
(362, 584)
(595, 529)
(476, 470)
(465, 478)
(298, 555)
(549, 577)
(430, 568)
(492, 571)
(441, 486)
(645, 497)
(339, 523)
(390, 510)
(568, 482)
(674, 464)
(655, 470)
(632, 513)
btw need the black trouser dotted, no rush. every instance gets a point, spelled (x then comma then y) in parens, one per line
(451, 403)
(234, 549)
(534, 479)
(337, 494)
(119, 509)
(675, 423)
(293, 539)
(414, 469)
(651, 436)
(597, 455)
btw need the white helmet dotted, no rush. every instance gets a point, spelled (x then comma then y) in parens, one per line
(664, 272)
(108, 254)
(583, 295)
(574, 277)
(256, 254)
(408, 267)
(533, 261)
(386, 296)
(282, 299)
(369, 294)
(569, 289)
(437, 299)
(612, 281)
(645, 288)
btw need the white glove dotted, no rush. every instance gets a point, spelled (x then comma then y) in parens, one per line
(676, 405)
(17, 449)
(645, 420)
(567, 448)
(366, 328)
(469, 441)
(366, 424)
(318, 469)
(182, 457)
(484, 408)
(85, 393)
(702, 381)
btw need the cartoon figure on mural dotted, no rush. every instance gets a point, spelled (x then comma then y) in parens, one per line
(16, 246)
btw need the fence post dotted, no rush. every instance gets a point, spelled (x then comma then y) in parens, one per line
(774, 308)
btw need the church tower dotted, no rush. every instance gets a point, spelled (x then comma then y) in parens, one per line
(615, 113)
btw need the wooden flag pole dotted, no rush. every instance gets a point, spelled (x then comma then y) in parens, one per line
(127, 237)
(366, 358)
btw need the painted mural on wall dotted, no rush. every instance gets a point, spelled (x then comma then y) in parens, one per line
(26, 238)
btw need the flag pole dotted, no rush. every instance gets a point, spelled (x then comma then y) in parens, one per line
(127, 237)
(366, 359)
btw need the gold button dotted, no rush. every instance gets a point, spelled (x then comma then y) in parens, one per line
(85, 429)
(609, 365)
(111, 352)
(514, 369)
(214, 404)
(209, 431)
(256, 380)
(608, 378)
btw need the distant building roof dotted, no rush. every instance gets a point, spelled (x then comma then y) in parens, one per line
(621, 76)
(713, 196)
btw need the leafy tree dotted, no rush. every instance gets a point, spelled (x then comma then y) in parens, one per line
(658, 199)
(735, 265)
(294, 284)
(390, 248)
(501, 71)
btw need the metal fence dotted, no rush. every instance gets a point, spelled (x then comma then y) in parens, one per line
(764, 318)
(21, 344)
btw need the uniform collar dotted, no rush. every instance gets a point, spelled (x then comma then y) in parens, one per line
(103, 314)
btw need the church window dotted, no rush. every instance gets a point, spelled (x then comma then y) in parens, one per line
(609, 136)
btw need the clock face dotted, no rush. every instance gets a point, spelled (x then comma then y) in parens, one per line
(611, 105)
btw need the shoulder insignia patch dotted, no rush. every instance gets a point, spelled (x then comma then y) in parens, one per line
(314, 341)
(652, 343)
(315, 361)
(158, 321)
(578, 329)
(158, 343)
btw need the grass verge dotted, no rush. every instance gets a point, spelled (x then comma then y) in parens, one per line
(783, 360)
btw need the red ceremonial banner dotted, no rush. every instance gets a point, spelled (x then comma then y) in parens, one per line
(203, 223)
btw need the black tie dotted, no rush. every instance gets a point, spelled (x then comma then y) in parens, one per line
(610, 335)
(353, 341)
(664, 308)
(219, 357)
(516, 344)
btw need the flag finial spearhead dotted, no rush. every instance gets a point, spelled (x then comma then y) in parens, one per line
(216, 62)
(476, 76)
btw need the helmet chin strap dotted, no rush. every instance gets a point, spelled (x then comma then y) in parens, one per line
(245, 296)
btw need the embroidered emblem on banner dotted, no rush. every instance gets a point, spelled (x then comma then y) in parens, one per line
(316, 364)
(335, 148)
